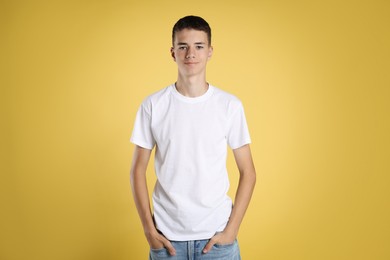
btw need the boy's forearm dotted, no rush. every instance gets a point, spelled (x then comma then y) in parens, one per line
(140, 188)
(243, 196)
(141, 199)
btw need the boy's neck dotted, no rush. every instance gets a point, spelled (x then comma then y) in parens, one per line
(192, 87)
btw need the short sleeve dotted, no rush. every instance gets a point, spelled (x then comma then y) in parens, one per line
(142, 133)
(238, 132)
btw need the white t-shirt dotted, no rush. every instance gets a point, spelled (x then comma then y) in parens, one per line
(191, 136)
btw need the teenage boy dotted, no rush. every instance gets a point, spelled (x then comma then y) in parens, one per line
(190, 124)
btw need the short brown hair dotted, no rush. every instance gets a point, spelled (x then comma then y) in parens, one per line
(191, 22)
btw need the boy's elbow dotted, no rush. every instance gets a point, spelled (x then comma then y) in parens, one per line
(253, 177)
(250, 175)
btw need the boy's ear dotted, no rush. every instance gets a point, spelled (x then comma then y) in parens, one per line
(211, 49)
(173, 54)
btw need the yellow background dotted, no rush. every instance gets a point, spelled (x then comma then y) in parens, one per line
(314, 80)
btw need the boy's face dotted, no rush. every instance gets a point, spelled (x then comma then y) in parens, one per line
(191, 51)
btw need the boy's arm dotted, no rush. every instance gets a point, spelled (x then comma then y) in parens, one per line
(244, 192)
(141, 199)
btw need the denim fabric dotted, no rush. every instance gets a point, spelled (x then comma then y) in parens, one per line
(192, 250)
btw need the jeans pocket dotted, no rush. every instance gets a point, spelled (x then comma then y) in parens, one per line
(157, 249)
(225, 245)
(159, 253)
(225, 251)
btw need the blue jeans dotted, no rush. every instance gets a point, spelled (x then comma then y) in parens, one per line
(192, 250)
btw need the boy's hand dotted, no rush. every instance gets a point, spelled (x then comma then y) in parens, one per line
(221, 239)
(157, 241)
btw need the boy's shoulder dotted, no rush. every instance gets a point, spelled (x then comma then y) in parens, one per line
(228, 100)
(220, 93)
(158, 95)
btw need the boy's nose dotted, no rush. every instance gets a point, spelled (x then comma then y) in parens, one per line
(190, 53)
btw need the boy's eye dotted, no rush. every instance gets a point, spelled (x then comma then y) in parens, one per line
(182, 47)
(199, 47)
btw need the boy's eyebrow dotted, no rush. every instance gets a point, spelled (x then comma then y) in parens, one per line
(197, 43)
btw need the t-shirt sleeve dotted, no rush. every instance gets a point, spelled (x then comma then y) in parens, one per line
(238, 132)
(142, 132)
